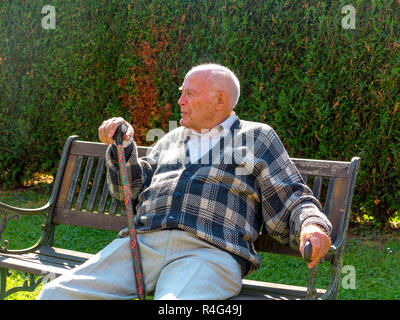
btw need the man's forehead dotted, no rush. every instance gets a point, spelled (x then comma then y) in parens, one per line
(195, 79)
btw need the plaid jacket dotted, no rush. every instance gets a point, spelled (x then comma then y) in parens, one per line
(243, 181)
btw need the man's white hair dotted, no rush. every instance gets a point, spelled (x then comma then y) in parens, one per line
(222, 78)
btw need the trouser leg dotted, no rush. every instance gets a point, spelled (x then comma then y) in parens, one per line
(196, 270)
(107, 275)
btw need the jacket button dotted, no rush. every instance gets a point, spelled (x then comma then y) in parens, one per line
(178, 194)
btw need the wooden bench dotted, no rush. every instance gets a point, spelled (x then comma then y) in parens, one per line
(80, 197)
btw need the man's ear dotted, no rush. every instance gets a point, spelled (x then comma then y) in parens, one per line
(222, 100)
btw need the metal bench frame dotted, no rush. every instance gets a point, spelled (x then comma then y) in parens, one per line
(97, 209)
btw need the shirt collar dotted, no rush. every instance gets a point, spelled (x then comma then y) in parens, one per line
(227, 123)
(218, 130)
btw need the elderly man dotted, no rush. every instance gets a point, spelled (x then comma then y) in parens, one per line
(202, 195)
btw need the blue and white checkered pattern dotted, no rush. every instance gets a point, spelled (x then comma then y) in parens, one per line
(243, 181)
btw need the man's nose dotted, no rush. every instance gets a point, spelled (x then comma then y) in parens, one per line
(181, 100)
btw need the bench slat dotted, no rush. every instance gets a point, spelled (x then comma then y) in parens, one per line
(329, 197)
(74, 182)
(323, 168)
(45, 260)
(113, 206)
(89, 219)
(103, 199)
(260, 290)
(266, 243)
(337, 207)
(24, 264)
(61, 253)
(88, 148)
(96, 184)
(317, 187)
(48, 260)
(66, 181)
(85, 182)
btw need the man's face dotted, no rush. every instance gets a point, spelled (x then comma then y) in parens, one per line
(197, 102)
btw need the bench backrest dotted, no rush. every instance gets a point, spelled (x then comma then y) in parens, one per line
(81, 197)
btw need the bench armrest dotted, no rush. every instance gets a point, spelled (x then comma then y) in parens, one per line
(24, 211)
(8, 212)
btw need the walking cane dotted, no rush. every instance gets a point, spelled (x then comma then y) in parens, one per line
(311, 291)
(137, 268)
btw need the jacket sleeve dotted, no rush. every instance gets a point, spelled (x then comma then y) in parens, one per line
(139, 170)
(288, 204)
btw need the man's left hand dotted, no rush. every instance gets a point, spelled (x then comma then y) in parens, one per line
(320, 242)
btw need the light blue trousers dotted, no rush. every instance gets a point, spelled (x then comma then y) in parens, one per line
(176, 265)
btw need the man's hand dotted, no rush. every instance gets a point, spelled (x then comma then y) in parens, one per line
(320, 242)
(108, 127)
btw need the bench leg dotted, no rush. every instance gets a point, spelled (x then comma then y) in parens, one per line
(4, 273)
(28, 285)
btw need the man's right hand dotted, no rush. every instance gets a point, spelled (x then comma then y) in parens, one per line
(108, 127)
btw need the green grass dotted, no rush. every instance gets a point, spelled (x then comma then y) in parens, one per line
(376, 259)
(376, 265)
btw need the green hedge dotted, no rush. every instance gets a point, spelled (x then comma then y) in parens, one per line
(329, 92)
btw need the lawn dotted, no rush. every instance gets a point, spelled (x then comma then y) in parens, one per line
(374, 257)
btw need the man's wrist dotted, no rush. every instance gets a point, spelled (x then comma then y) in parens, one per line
(318, 226)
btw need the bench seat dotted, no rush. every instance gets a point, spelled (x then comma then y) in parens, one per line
(57, 261)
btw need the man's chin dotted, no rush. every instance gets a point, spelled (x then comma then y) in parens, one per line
(184, 123)
(187, 125)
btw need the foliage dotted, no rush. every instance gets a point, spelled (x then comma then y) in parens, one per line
(329, 92)
(141, 97)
